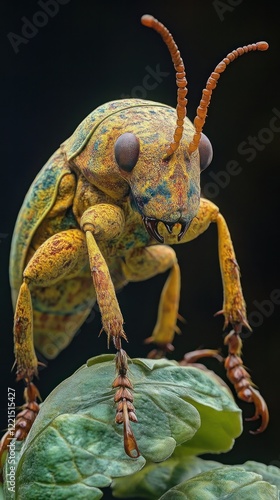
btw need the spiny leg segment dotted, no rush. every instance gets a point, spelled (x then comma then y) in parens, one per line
(124, 399)
(242, 381)
(112, 322)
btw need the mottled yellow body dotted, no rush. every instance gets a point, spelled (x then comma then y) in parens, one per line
(82, 190)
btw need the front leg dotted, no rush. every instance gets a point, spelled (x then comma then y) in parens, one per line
(106, 222)
(234, 308)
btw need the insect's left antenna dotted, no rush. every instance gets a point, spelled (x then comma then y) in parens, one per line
(181, 80)
(211, 84)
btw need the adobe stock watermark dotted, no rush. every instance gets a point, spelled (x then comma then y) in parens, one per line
(11, 460)
(223, 8)
(30, 27)
(248, 148)
(263, 309)
(151, 81)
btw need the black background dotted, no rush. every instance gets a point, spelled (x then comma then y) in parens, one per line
(91, 53)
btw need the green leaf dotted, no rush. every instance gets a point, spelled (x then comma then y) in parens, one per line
(155, 479)
(74, 447)
(218, 412)
(229, 482)
(269, 473)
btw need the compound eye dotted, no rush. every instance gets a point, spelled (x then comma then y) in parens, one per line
(205, 152)
(127, 148)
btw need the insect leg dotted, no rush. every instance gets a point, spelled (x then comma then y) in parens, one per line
(107, 224)
(143, 263)
(234, 307)
(26, 359)
(124, 399)
(242, 381)
(59, 256)
(97, 223)
(166, 325)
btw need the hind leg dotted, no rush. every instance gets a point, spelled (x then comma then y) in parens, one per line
(144, 263)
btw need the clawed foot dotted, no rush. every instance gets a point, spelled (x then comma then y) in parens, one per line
(193, 356)
(235, 317)
(261, 411)
(236, 373)
(240, 378)
(160, 351)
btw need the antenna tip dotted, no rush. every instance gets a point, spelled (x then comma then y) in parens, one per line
(148, 20)
(262, 45)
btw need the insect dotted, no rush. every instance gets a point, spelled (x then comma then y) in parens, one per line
(105, 210)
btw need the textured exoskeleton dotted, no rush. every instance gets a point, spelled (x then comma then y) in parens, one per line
(104, 211)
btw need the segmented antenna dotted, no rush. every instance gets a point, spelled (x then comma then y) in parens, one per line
(181, 80)
(212, 81)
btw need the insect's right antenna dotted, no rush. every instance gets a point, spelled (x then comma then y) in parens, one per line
(212, 81)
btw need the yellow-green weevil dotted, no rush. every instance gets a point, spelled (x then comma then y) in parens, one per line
(104, 211)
